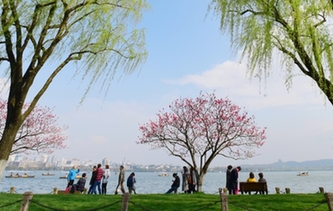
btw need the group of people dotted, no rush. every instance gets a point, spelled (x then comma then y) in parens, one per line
(99, 178)
(232, 175)
(189, 181)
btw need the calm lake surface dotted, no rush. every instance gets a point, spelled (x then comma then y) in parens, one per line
(150, 182)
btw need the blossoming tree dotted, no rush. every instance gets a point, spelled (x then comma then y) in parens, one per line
(197, 130)
(39, 132)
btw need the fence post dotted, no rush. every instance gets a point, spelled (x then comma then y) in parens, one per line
(277, 190)
(287, 190)
(124, 205)
(27, 196)
(224, 200)
(321, 190)
(329, 198)
(12, 190)
(55, 190)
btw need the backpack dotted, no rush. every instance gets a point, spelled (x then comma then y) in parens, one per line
(129, 181)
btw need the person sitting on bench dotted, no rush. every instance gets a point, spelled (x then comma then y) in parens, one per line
(79, 186)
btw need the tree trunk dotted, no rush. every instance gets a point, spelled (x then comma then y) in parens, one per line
(6, 144)
(200, 182)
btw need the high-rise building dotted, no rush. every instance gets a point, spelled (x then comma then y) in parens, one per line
(18, 158)
(43, 158)
(105, 161)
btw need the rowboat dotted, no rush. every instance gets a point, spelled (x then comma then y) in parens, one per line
(20, 176)
(47, 174)
(303, 174)
(65, 177)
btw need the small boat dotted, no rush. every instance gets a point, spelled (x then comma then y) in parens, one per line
(303, 174)
(47, 174)
(163, 175)
(20, 176)
(65, 177)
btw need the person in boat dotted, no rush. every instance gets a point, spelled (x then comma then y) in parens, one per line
(72, 175)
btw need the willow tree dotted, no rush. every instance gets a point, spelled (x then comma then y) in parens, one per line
(42, 37)
(299, 30)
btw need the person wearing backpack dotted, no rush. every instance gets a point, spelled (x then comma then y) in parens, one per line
(130, 183)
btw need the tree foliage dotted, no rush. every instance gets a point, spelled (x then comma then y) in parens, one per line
(40, 38)
(39, 132)
(197, 130)
(300, 30)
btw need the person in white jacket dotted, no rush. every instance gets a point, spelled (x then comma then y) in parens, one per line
(105, 179)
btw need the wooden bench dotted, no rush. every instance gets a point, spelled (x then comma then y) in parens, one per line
(260, 187)
(56, 191)
(64, 192)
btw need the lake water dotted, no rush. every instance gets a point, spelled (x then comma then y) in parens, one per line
(150, 182)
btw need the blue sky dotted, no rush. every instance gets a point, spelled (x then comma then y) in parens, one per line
(187, 54)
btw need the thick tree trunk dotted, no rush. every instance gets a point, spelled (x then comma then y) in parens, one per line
(200, 182)
(6, 144)
(8, 136)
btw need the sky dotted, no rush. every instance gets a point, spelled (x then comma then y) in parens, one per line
(188, 54)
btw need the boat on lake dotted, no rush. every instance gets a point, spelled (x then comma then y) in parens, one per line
(303, 174)
(47, 174)
(65, 177)
(163, 175)
(20, 176)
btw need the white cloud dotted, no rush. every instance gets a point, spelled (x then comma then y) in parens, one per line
(231, 79)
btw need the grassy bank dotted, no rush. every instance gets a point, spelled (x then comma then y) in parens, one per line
(172, 202)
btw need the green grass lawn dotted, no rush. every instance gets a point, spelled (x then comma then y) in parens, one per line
(171, 202)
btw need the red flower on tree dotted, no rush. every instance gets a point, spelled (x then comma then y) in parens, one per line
(39, 132)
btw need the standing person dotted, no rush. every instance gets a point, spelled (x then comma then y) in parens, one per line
(185, 175)
(233, 180)
(175, 184)
(121, 179)
(71, 176)
(98, 178)
(227, 179)
(192, 181)
(131, 183)
(92, 180)
(105, 179)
